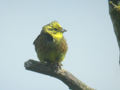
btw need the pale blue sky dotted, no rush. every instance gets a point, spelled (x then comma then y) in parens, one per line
(93, 51)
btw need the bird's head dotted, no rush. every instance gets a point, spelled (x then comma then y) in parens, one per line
(54, 29)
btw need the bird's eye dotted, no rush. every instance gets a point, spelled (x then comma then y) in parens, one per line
(55, 29)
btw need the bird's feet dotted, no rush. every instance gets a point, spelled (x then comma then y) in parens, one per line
(57, 66)
(54, 66)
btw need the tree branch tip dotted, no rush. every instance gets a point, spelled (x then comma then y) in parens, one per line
(28, 63)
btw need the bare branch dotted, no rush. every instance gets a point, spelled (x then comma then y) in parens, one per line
(71, 81)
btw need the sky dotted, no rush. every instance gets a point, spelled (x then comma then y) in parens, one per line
(93, 52)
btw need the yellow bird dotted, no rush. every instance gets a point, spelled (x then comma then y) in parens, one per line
(50, 45)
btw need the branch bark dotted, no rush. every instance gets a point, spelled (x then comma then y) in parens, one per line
(114, 10)
(71, 81)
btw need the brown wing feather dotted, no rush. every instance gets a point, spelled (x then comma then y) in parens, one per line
(63, 46)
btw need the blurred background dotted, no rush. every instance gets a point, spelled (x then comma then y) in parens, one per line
(93, 52)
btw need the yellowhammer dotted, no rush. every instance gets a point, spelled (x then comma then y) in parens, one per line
(50, 45)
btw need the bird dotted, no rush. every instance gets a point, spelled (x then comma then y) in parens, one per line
(50, 45)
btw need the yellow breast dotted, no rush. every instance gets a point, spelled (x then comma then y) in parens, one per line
(57, 36)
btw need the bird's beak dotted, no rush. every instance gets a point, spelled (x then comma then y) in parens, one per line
(64, 30)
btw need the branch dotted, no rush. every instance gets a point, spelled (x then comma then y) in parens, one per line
(71, 81)
(114, 10)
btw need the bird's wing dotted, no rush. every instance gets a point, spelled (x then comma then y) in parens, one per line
(37, 39)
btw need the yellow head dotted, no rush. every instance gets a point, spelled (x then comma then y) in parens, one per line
(54, 29)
